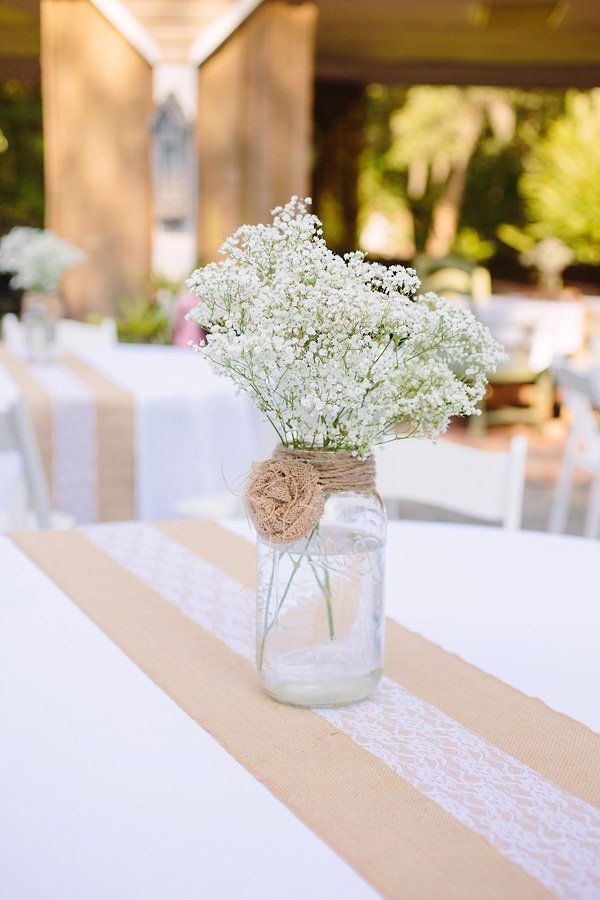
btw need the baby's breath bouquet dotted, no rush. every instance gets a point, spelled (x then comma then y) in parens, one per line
(340, 354)
(37, 258)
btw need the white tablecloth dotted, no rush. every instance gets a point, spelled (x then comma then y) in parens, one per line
(108, 790)
(552, 328)
(193, 435)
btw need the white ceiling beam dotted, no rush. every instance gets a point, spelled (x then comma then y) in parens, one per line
(219, 31)
(131, 29)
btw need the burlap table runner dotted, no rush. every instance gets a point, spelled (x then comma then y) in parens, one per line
(447, 783)
(113, 417)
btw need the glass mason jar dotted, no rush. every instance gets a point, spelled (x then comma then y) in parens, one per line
(320, 607)
(39, 334)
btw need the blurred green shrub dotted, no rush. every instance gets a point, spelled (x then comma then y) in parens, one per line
(470, 245)
(21, 156)
(515, 237)
(561, 182)
(441, 168)
(147, 318)
(143, 320)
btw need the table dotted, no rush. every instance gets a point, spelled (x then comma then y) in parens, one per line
(109, 789)
(128, 431)
(553, 328)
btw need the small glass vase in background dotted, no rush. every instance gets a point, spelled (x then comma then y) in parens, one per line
(320, 609)
(39, 333)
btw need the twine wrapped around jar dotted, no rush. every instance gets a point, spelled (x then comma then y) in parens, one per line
(285, 495)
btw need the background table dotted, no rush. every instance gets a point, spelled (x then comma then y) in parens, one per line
(523, 606)
(190, 434)
(555, 328)
(195, 436)
(109, 790)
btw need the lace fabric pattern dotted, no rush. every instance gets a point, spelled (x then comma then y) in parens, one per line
(74, 441)
(553, 836)
(206, 594)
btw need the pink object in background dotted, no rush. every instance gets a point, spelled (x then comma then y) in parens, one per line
(184, 331)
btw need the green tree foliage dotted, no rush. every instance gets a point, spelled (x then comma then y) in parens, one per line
(450, 159)
(382, 188)
(561, 182)
(21, 156)
(436, 135)
(147, 318)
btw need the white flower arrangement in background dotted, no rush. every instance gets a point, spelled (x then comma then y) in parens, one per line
(339, 353)
(37, 258)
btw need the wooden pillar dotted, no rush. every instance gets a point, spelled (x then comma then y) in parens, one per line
(97, 93)
(255, 121)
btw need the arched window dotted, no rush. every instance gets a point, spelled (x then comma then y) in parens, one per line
(171, 166)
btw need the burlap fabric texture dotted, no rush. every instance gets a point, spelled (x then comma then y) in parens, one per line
(285, 495)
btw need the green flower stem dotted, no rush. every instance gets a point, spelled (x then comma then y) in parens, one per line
(325, 586)
(267, 607)
(295, 568)
(328, 603)
(280, 604)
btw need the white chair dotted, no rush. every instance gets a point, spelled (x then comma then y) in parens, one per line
(479, 483)
(530, 356)
(28, 501)
(12, 332)
(212, 506)
(582, 450)
(70, 334)
(74, 335)
(225, 504)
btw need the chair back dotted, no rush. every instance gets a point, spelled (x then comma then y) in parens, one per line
(454, 283)
(449, 281)
(480, 483)
(528, 347)
(12, 331)
(580, 391)
(70, 333)
(17, 438)
(74, 335)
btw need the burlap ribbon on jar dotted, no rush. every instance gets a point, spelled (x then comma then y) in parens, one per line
(285, 495)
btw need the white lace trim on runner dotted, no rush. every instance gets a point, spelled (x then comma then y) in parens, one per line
(74, 441)
(550, 834)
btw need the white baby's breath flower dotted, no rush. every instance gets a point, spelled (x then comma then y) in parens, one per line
(37, 258)
(338, 352)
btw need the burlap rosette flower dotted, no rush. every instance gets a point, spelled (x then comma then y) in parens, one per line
(284, 499)
(285, 495)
